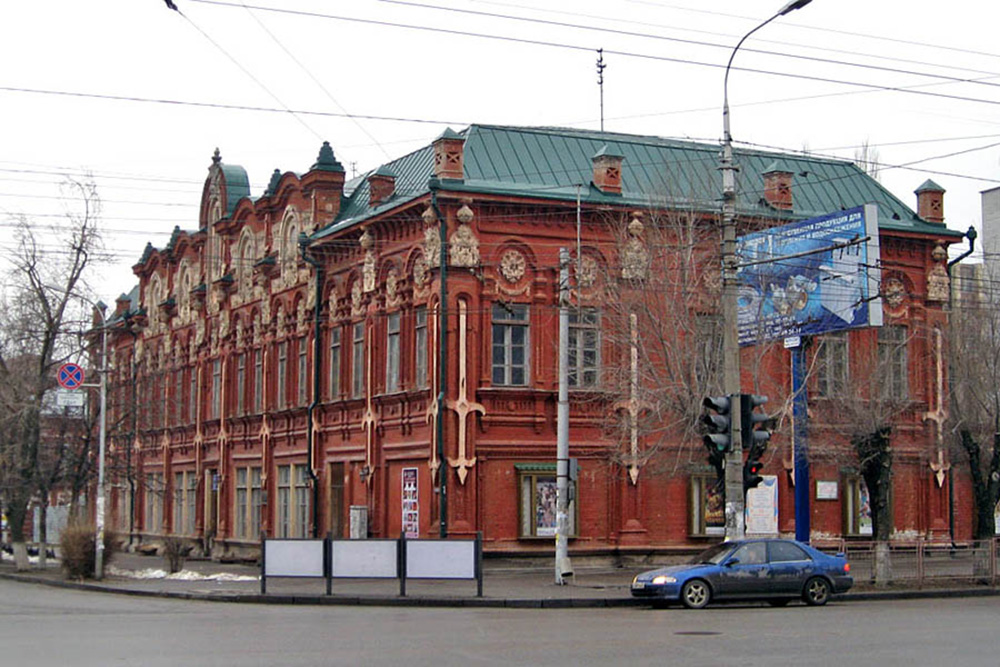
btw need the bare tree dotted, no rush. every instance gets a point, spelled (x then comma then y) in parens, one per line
(865, 409)
(866, 156)
(975, 394)
(661, 308)
(44, 282)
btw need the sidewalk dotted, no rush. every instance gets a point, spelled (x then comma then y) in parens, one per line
(503, 586)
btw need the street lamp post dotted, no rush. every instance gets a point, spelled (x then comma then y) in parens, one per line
(735, 527)
(102, 437)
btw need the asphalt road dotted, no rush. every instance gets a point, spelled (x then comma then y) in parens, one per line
(42, 626)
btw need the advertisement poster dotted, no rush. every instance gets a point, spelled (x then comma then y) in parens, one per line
(864, 510)
(715, 510)
(762, 507)
(545, 507)
(411, 504)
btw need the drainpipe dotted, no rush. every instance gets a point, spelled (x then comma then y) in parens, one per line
(310, 431)
(433, 185)
(971, 235)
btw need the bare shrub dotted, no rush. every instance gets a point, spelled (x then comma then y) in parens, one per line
(78, 543)
(175, 551)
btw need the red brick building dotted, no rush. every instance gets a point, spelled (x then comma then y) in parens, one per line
(281, 363)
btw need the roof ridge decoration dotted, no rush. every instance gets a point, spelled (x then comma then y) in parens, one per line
(272, 185)
(326, 160)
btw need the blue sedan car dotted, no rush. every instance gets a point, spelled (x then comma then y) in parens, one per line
(771, 569)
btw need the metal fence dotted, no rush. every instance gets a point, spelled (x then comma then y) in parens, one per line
(923, 563)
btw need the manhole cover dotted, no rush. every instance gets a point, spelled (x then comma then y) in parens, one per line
(698, 633)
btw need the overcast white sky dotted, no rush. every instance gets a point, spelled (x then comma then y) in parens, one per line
(137, 94)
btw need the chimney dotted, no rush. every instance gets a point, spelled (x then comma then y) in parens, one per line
(778, 186)
(324, 183)
(448, 155)
(381, 186)
(607, 171)
(930, 202)
(122, 304)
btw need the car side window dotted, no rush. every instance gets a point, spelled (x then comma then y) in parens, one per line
(786, 551)
(754, 553)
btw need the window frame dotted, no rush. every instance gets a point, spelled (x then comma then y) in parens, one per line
(358, 360)
(529, 476)
(578, 348)
(506, 321)
(393, 331)
(892, 344)
(833, 353)
(702, 523)
(302, 374)
(421, 379)
(334, 389)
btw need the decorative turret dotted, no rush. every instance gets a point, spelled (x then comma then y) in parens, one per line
(324, 183)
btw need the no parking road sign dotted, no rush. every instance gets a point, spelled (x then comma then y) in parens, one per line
(70, 376)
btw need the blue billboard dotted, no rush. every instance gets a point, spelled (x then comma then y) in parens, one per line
(810, 277)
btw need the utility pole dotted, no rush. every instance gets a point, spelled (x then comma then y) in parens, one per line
(563, 567)
(735, 524)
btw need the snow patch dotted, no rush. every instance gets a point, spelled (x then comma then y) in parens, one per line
(183, 575)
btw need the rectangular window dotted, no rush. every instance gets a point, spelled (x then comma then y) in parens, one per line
(192, 394)
(178, 397)
(538, 490)
(708, 506)
(185, 489)
(293, 501)
(216, 388)
(241, 379)
(258, 381)
(510, 344)
(893, 366)
(190, 508)
(584, 347)
(154, 503)
(335, 362)
(832, 365)
(420, 345)
(707, 350)
(242, 503)
(256, 495)
(392, 353)
(164, 383)
(248, 499)
(282, 373)
(284, 518)
(301, 502)
(358, 361)
(303, 372)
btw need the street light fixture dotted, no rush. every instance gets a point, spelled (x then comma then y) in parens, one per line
(735, 528)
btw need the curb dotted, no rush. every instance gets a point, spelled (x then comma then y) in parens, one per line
(456, 602)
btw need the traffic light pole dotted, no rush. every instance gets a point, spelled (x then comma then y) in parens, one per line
(735, 528)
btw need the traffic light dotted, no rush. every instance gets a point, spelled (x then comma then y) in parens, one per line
(719, 438)
(751, 474)
(753, 438)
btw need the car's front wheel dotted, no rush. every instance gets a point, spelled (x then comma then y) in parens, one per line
(816, 592)
(695, 594)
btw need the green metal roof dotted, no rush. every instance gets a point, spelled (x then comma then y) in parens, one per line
(237, 185)
(551, 163)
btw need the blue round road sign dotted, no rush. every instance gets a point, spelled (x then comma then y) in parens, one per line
(70, 376)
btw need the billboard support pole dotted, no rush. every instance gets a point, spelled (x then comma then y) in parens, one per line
(800, 444)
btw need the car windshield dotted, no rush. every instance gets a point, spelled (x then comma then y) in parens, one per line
(713, 555)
